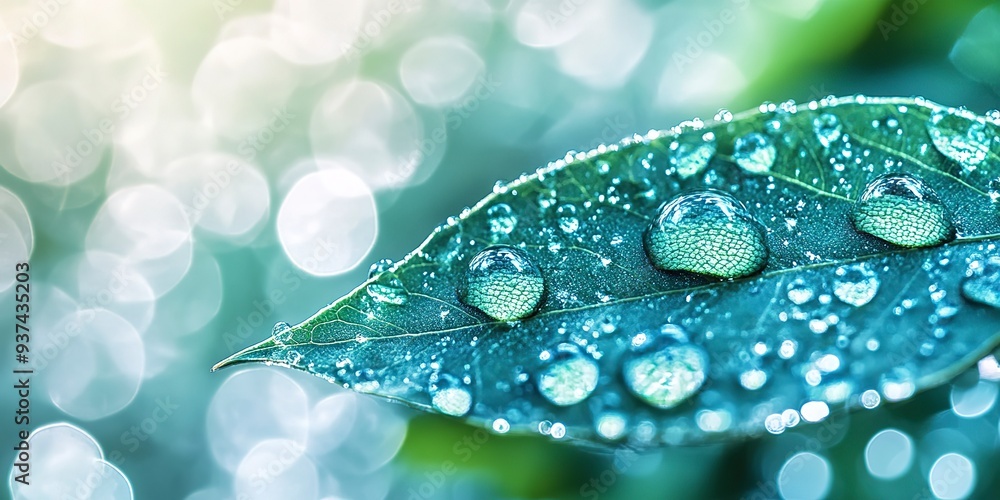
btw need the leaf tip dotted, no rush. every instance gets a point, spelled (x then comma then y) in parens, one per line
(256, 352)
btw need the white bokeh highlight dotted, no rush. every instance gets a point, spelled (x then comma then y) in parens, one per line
(889, 454)
(16, 235)
(804, 476)
(328, 222)
(439, 70)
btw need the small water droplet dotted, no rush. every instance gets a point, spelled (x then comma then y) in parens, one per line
(753, 379)
(870, 399)
(568, 375)
(665, 372)
(281, 332)
(754, 153)
(799, 292)
(773, 424)
(387, 289)
(611, 425)
(901, 209)
(449, 395)
(503, 282)
(855, 284)
(691, 152)
(706, 232)
(827, 127)
(960, 135)
(502, 219)
(814, 411)
(501, 426)
(567, 218)
(983, 285)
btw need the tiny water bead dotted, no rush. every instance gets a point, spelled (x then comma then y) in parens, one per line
(450, 396)
(503, 282)
(386, 288)
(568, 376)
(755, 153)
(691, 152)
(502, 219)
(827, 127)
(855, 284)
(983, 285)
(960, 135)
(567, 218)
(706, 232)
(901, 209)
(664, 371)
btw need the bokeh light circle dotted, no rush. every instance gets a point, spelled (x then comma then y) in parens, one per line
(889, 454)
(804, 476)
(439, 70)
(328, 222)
(15, 233)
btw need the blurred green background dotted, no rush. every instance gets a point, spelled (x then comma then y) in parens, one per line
(184, 175)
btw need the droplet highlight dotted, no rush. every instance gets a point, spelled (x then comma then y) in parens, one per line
(901, 209)
(856, 284)
(386, 287)
(706, 232)
(691, 152)
(983, 286)
(827, 128)
(502, 219)
(502, 282)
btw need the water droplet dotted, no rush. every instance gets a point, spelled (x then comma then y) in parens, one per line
(502, 219)
(773, 424)
(983, 286)
(960, 135)
(558, 430)
(790, 418)
(665, 372)
(753, 379)
(386, 288)
(706, 232)
(901, 209)
(282, 332)
(611, 425)
(567, 218)
(827, 128)
(754, 153)
(691, 152)
(569, 376)
(855, 284)
(814, 411)
(501, 426)
(799, 292)
(870, 399)
(449, 395)
(503, 282)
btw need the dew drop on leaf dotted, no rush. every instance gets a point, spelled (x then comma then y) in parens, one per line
(855, 284)
(568, 376)
(827, 127)
(901, 209)
(983, 286)
(281, 332)
(611, 425)
(502, 219)
(450, 396)
(691, 152)
(706, 232)
(664, 371)
(799, 291)
(503, 282)
(960, 135)
(754, 153)
(567, 218)
(387, 288)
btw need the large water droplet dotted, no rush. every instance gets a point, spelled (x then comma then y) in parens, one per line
(567, 218)
(855, 284)
(754, 153)
(691, 152)
(502, 219)
(827, 128)
(901, 209)
(503, 282)
(664, 371)
(386, 288)
(449, 395)
(960, 135)
(706, 232)
(569, 376)
(983, 286)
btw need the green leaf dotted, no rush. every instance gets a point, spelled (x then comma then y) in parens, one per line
(845, 255)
